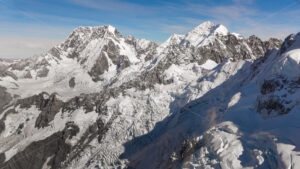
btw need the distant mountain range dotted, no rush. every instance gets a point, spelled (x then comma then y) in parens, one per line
(206, 99)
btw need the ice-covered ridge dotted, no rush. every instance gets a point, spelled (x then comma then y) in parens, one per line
(201, 35)
(83, 29)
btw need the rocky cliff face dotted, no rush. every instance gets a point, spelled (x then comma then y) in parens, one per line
(101, 100)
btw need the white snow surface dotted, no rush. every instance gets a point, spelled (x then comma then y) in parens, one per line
(289, 62)
(223, 148)
(209, 64)
(238, 36)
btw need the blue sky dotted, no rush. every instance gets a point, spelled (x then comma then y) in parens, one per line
(29, 27)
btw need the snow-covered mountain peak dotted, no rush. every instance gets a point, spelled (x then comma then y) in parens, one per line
(289, 60)
(201, 35)
(206, 24)
(97, 32)
(84, 40)
(173, 39)
(111, 28)
(204, 34)
(291, 42)
(209, 27)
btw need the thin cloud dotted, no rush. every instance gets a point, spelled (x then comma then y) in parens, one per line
(117, 6)
(43, 18)
(179, 29)
(232, 12)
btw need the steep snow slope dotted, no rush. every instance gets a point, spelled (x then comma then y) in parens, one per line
(101, 100)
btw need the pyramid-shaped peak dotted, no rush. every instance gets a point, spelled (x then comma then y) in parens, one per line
(204, 34)
(110, 28)
(209, 27)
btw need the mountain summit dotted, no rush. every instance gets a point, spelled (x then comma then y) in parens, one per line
(204, 34)
(207, 99)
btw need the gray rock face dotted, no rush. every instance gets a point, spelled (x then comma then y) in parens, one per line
(8, 73)
(273, 43)
(236, 49)
(55, 52)
(86, 101)
(3, 67)
(19, 66)
(5, 98)
(257, 46)
(49, 105)
(149, 50)
(2, 124)
(111, 51)
(99, 67)
(72, 82)
(271, 103)
(28, 75)
(123, 63)
(269, 86)
(37, 153)
(43, 73)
